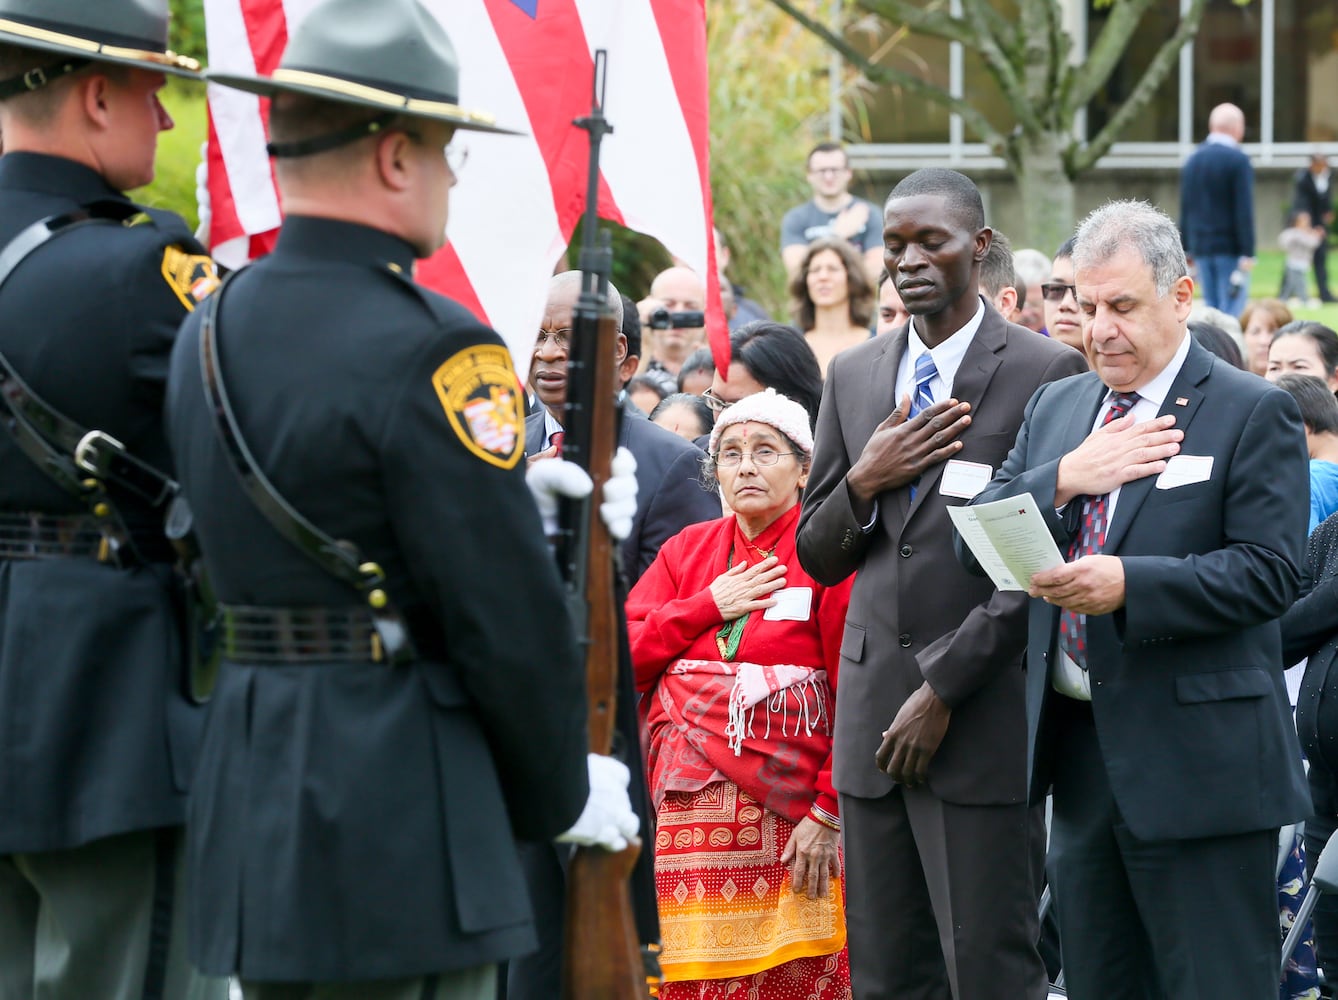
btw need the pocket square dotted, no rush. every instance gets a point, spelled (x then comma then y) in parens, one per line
(1183, 470)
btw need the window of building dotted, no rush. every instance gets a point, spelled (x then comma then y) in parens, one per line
(1160, 119)
(1227, 64)
(892, 113)
(1305, 71)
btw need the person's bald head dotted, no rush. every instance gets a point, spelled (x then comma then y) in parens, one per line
(680, 290)
(1228, 120)
(564, 290)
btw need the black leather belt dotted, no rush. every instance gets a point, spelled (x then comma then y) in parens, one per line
(276, 636)
(32, 535)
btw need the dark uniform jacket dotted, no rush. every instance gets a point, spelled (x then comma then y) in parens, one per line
(355, 820)
(96, 736)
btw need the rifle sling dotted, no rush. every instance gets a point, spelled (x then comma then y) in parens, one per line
(66, 451)
(338, 557)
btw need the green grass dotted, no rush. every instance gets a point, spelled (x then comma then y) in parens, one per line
(1266, 279)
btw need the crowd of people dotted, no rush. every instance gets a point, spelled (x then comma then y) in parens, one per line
(856, 765)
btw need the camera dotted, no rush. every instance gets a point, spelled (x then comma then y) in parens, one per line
(663, 319)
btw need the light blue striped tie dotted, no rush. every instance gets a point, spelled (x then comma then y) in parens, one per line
(924, 373)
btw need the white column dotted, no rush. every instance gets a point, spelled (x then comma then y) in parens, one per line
(956, 87)
(1267, 53)
(1186, 133)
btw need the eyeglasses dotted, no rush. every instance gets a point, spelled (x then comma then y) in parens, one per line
(827, 171)
(457, 153)
(716, 404)
(762, 457)
(1054, 291)
(560, 339)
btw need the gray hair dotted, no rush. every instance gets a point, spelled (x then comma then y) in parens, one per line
(568, 279)
(1032, 266)
(1137, 226)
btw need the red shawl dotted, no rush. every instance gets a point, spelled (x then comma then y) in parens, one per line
(672, 617)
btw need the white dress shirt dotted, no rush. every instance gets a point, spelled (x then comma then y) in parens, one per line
(1067, 677)
(947, 359)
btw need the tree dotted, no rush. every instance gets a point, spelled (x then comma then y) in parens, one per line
(1028, 59)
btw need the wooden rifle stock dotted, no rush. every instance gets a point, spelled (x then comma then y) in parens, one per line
(602, 958)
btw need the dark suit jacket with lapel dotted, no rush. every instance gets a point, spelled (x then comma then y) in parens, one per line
(1187, 686)
(1306, 197)
(670, 491)
(915, 614)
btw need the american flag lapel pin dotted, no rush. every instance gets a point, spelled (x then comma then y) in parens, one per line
(1181, 401)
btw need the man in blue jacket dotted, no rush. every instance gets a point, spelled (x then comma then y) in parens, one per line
(1217, 211)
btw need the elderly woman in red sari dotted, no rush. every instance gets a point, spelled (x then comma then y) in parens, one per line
(737, 649)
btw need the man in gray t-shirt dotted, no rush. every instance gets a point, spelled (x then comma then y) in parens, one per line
(832, 211)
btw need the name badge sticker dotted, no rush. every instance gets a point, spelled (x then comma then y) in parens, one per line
(964, 479)
(793, 604)
(1185, 470)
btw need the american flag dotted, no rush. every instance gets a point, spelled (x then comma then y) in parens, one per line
(530, 63)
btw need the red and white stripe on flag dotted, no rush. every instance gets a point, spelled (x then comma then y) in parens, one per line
(530, 63)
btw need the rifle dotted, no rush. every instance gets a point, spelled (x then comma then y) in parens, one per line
(601, 953)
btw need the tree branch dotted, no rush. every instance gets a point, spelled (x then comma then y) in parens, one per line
(1083, 158)
(923, 20)
(1005, 74)
(1111, 45)
(899, 78)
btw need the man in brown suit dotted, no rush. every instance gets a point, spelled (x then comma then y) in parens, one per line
(930, 741)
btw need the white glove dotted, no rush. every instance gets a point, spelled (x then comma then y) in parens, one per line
(619, 506)
(204, 207)
(554, 478)
(607, 820)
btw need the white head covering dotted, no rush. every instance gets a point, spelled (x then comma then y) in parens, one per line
(771, 408)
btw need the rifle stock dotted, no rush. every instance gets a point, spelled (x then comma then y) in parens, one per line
(602, 959)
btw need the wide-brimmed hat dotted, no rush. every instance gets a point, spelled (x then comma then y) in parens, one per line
(391, 55)
(126, 32)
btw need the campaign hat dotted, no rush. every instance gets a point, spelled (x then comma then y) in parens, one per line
(392, 56)
(124, 32)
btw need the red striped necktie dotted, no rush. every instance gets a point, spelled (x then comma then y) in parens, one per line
(1091, 539)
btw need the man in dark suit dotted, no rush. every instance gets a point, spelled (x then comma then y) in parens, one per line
(930, 736)
(1313, 195)
(1217, 211)
(1155, 697)
(670, 491)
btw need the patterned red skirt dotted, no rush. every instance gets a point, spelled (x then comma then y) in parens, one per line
(732, 927)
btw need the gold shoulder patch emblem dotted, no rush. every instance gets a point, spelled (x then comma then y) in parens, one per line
(191, 276)
(478, 390)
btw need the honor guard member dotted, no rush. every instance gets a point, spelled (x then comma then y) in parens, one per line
(98, 731)
(401, 695)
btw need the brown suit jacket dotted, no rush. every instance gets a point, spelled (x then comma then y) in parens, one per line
(915, 613)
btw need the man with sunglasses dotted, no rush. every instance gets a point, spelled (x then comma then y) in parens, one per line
(1063, 321)
(832, 211)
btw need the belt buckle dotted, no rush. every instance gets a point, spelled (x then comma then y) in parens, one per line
(94, 452)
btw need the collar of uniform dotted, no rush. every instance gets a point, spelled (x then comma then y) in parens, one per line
(54, 175)
(349, 242)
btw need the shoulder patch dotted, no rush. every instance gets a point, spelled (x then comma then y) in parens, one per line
(191, 276)
(478, 390)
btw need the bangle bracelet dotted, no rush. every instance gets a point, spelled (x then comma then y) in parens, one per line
(820, 815)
